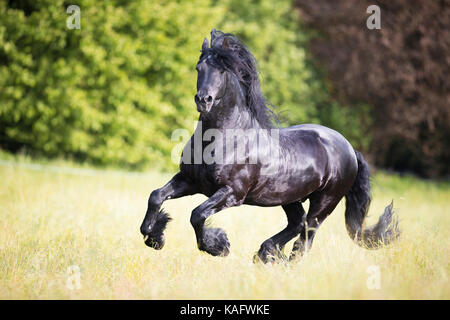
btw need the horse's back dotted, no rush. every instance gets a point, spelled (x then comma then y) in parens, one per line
(311, 157)
(327, 136)
(325, 133)
(341, 157)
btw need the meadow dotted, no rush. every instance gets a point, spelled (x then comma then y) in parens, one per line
(73, 233)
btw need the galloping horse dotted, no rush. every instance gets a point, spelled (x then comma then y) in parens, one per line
(275, 167)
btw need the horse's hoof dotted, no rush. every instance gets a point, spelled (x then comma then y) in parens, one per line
(257, 258)
(215, 242)
(156, 243)
(156, 239)
(269, 253)
(295, 256)
(264, 258)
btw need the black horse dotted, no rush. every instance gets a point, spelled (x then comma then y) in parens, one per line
(275, 166)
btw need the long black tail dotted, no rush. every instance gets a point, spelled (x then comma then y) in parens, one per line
(357, 204)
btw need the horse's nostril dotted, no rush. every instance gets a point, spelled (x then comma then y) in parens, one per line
(203, 99)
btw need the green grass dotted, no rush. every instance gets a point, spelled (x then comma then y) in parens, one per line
(55, 218)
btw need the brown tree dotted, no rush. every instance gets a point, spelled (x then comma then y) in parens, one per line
(401, 70)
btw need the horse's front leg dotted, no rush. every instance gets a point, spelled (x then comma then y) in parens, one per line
(155, 220)
(213, 240)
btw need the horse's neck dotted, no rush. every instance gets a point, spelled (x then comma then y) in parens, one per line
(234, 117)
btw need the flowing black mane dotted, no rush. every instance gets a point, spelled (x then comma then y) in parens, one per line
(232, 55)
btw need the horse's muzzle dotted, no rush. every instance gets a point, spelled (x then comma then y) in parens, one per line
(204, 102)
(204, 107)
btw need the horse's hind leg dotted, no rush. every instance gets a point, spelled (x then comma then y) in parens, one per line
(271, 248)
(321, 206)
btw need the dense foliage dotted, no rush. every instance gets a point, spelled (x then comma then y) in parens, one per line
(401, 70)
(113, 91)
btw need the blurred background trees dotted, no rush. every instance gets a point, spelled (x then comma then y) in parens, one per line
(401, 71)
(112, 92)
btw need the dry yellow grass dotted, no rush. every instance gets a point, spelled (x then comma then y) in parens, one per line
(51, 221)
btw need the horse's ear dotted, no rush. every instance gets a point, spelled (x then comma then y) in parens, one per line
(205, 44)
(225, 43)
(213, 35)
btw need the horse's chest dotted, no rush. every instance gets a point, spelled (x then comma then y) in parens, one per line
(206, 177)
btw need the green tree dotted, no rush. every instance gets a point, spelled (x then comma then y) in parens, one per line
(112, 92)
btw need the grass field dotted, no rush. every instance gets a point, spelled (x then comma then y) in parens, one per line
(72, 234)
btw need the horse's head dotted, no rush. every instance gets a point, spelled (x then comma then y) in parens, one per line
(212, 72)
(228, 76)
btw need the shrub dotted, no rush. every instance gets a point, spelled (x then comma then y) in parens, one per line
(112, 92)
